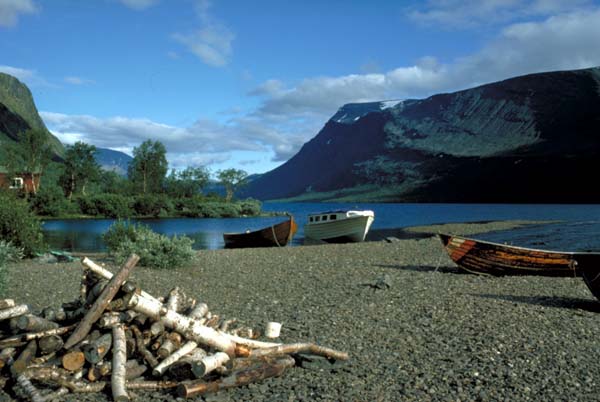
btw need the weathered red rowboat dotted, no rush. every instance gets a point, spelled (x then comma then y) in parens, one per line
(273, 236)
(483, 257)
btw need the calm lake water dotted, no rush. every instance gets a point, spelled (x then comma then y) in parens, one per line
(579, 228)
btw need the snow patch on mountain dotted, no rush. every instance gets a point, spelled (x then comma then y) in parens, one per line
(352, 112)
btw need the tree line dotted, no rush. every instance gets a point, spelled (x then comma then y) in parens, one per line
(77, 183)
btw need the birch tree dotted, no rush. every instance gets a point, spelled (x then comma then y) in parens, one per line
(149, 166)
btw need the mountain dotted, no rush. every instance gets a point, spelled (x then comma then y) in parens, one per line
(115, 161)
(533, 138)
(19, 114)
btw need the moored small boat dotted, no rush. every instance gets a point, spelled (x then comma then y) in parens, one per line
(277, 235)
(339, 226)
(483, 257)
(588, 266)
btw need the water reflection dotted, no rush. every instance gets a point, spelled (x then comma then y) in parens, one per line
(85, 235)
(578, 230)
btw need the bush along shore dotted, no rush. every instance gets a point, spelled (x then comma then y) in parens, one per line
(142, 206)
(414, 327)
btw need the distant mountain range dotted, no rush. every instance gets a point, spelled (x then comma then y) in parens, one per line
(111, 160)
(534, 138)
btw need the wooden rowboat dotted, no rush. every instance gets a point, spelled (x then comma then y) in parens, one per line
(588, 266)
(483, 257)
(273, 236)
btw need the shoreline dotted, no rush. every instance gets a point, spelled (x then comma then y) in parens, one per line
(416, 328)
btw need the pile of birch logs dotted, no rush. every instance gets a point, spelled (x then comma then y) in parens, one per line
(117, 338)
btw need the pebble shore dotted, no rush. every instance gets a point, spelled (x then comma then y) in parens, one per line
(416, 328)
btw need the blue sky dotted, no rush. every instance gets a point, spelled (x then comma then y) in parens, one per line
(245, 83)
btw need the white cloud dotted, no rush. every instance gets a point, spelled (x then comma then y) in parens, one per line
(11, 9)
(139, 4)
(212, 42)
(566, 41)
(289, 114)
(205, 140)
(29, 77)
(469, 13)
(78, 80)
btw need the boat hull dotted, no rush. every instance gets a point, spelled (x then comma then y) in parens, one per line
(482, 257)
(498, 259)
(588, 266)
(349, 230)
(278, 235)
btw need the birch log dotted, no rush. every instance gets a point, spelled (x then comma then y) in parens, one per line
(73, 360)
(95, 351)
(30, 390)
(94, 313)
(141, 347)
(33, 323)
(308, 348)
(24, 358)
(21, 338)
(182, 369)
(6, 356)
(170, 344)
(178, 354)
(6, 303)
(264, 369)
(50, 343)
(209, 364)
(14, 311)
(119, 370)
(106, 274)
(197, 311)
(186, 326)
(63, 378)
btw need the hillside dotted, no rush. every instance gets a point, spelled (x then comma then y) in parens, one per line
(533, 138)
(111, 160)
(18, 113)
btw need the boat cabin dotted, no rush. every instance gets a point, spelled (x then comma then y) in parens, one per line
(326, 216)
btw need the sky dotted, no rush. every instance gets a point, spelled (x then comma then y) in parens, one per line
(244, 84)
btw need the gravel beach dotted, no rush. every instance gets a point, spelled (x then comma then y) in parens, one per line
(414, 326)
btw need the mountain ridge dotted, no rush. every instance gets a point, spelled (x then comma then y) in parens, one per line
(18, 114)
(437, 149)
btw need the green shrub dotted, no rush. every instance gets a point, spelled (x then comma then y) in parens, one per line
(51, 201)
(250, 207)
(9, 253)
(155, 250)
(107, 205)
(87, 205)
(152, 205)
(118, 233)
(19, 225)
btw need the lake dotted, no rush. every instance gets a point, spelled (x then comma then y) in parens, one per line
(578, 230)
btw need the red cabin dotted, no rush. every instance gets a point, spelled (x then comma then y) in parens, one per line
(28, 182)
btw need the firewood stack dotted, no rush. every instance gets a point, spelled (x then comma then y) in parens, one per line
(117, 337)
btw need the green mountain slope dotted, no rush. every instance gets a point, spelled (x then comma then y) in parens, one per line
(18, 113)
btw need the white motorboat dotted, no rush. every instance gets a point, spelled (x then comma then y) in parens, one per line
(339, 226)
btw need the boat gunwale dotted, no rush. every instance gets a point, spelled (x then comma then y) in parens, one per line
(259, 230)
(347, 218)
(570, 253)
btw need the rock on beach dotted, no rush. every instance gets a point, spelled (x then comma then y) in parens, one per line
(416, 328)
